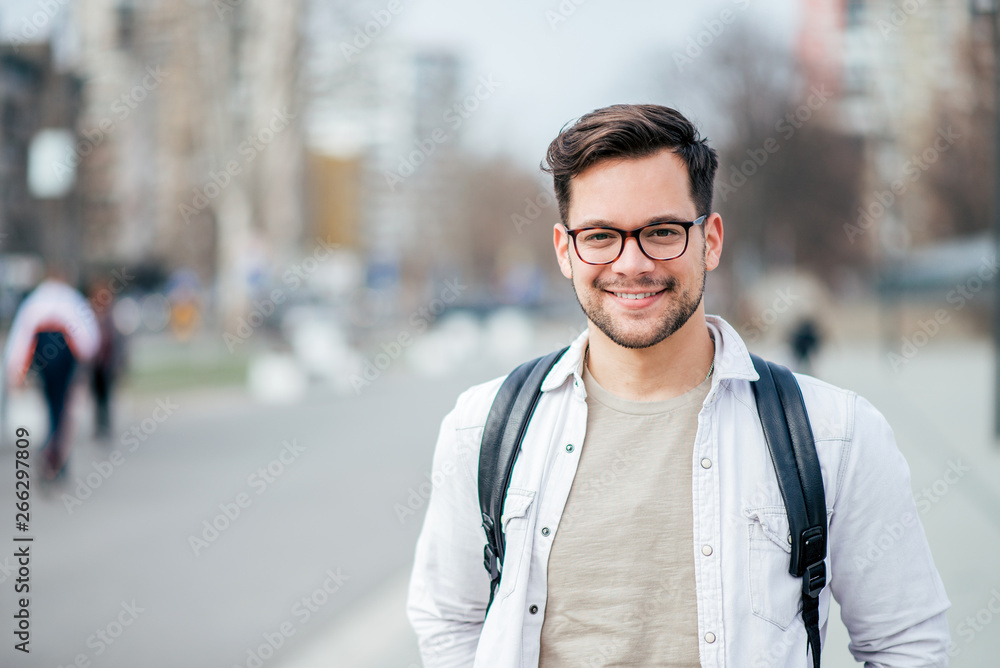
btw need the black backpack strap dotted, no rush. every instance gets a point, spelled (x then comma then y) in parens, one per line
(793, 453)
(508, 420)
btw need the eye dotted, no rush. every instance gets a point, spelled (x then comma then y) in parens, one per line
(664, 233)
(597, 236)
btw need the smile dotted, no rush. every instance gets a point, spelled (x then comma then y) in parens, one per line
(629, 295)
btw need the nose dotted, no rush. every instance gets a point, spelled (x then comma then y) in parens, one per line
(632, 261)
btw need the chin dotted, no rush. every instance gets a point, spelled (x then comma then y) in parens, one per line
(649, 329)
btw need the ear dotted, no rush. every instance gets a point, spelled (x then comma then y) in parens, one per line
(561, 241)
(713, 241)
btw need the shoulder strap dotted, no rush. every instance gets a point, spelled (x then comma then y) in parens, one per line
(800, 479)
(508, 419)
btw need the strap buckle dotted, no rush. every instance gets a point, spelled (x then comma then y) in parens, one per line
(490, 562)
(813, 553)
(814, 579)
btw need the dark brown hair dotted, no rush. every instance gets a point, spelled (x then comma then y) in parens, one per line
(631, 131)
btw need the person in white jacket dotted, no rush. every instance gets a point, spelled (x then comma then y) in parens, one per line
(644, 524)
(54, 330)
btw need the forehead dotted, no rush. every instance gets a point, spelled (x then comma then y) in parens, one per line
(632, 190)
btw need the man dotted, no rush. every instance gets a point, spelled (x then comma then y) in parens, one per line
(108, 359)
(54, 329)
(644, 524)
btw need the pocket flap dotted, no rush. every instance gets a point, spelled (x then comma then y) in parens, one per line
(516, 504)
(772, 523)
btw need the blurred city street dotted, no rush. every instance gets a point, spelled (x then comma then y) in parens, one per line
(323, 546)
(278, 239)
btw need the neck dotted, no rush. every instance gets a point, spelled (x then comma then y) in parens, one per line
(672, 367)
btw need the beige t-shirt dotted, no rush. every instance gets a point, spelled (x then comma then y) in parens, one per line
(621, 583)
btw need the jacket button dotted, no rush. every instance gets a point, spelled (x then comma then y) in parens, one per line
(545, 531)
(706, 463)
(533, 609)
(706, 550)
(709, 637)
(569, 447)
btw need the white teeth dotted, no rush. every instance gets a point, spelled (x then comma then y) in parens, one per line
(641, 295)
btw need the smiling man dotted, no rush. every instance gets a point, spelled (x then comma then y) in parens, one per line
(644, 524)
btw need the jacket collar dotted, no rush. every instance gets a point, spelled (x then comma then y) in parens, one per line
(732, 359)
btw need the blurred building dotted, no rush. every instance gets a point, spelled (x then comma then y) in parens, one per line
(195, 155)
(383, 123)
(39, 194)
(892, 64)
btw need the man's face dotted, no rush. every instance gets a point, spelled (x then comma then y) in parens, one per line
(630, 193)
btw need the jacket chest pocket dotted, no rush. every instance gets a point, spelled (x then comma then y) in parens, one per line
(775, 594)
(517, 546)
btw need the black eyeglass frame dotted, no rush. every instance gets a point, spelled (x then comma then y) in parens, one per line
(626, 234)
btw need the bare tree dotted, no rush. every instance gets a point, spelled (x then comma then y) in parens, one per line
(961, 184)
(497, 220)
(788, 180)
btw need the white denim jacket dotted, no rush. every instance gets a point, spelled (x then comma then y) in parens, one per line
(879, 565)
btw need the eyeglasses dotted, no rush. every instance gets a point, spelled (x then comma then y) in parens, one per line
(657, 241)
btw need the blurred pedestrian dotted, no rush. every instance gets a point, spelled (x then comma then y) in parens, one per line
(804, 341)
(109, 359)
(54, 330)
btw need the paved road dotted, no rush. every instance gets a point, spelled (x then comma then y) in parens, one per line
(315, 562)
(320, 526)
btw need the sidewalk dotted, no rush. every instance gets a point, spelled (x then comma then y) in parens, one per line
(939, 404)
(376, 634)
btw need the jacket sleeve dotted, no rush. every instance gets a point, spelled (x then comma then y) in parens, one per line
(882, 573)
(449, 587)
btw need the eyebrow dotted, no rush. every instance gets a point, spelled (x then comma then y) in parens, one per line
(662, 218)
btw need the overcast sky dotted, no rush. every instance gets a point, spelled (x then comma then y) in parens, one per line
(553, 59)
(551, 72)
